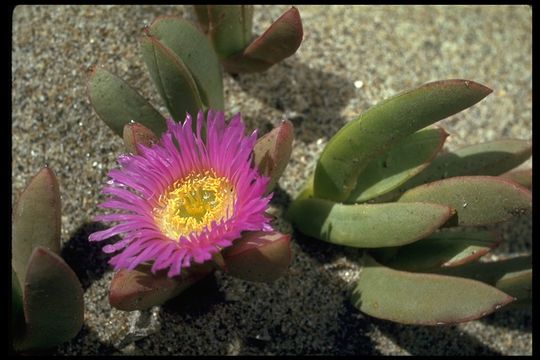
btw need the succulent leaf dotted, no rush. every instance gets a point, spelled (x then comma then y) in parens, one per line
(239, 63)
(444, 248)
(307, 189)
(172, 78)
(117, 103)
(404, 160)
(478, 200)
(136, 134)
(491, 158)
(17, 313)
(423, 299)
(521, 176)
(53, 302)
(367, 225)
(259, 256)
(196, 52)
(201, 11)
(36, 220)
(350, 150)
(518, 285)
(230, 28)
(272, 151)
(490, 272)
(513, 276)
(140, 289)
(280, 40)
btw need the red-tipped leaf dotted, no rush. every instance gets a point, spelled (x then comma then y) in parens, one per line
(136, 134)
(259, 256)
(271, 153)
(140, 289)
(36, 220)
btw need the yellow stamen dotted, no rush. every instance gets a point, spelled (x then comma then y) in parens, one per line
(193, 202)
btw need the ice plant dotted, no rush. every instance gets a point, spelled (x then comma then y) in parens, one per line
(185, 71)
(47, 297)
(229, 28)
(380, 185)
(184, 64)
(187, 196)
(187, 74)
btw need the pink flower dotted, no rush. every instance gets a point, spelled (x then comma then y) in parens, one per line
(186, 197)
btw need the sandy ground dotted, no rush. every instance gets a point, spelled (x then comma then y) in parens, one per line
(351, 58)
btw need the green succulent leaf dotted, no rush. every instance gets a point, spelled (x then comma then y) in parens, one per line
(17, 313)
(117, 103)
(491, 158)
(367, 225)
(280, 40)
(196, 52)
(239, 63)
(478, 200)
(422, 299)
(36, 220)
(230, 28)
(201, 11)
(490, 272)
(349, 152)
(140, 289)
(404, 160)
(136, 134)
(272, 151)
(172, 78)
(307, 189)
(53, 302)
(444, 248)
(518, 285)
(521, 176)
(259, 256)
(513, 276)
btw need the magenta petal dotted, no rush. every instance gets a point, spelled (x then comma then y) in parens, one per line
(135, 190)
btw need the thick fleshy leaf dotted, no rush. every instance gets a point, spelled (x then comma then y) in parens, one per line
(400, 163)
(140, 289)
(239, 63)
(280, 40)
(518, 285)
(172, 78)
(196, 52)
(350, 150)
(259, 256)
(307, 189)
(367, 225)
(490, 272)
(423, 299)
(444, 248)
(491, 158)
(136, 134)
(513, 276)
(117, 103)
(53, 302)
(36, 220)
(17, 313)
(521, 176)
(201, 11)
(230, 28)
(478, 200)
(271, 153)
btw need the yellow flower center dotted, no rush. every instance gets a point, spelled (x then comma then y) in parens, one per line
(193, 202)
